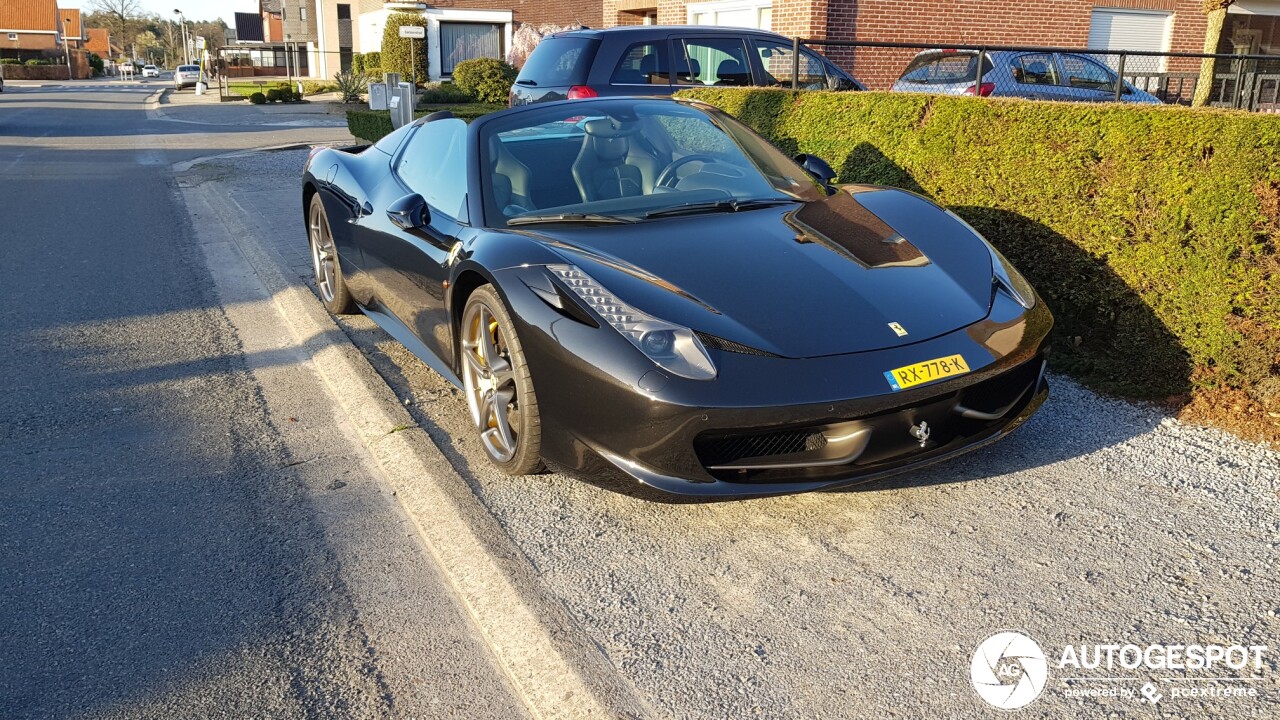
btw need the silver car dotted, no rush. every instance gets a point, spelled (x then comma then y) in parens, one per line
(186, 76)
(1062, 76)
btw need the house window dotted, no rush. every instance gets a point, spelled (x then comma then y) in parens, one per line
(13, 37)
(302, 13)
(733, 13)
(468, 41)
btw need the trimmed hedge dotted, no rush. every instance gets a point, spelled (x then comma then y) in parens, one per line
(372, 125)
(444, 93)
(369, 125)
(1152, 232)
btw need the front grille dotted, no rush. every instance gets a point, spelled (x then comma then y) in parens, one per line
(720, 343)
(728, 449)
(1000, 391)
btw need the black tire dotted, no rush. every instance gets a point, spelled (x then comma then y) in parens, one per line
(326, 270)
(522, 416)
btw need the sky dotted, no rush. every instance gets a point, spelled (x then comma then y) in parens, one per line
(193, 9)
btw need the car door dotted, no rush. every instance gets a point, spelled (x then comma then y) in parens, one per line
(408, 267)
(775, 62)
(1083, 79)
(1035, 77)
(642, 69)
(704, 61)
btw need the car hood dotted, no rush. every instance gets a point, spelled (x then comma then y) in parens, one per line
(822, 278)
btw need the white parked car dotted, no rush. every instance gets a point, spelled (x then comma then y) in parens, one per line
(186, 76)
(150, 71)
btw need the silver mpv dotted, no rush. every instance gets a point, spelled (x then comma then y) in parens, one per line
(1069, 77)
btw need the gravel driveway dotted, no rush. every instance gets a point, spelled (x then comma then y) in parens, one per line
(1099, 521)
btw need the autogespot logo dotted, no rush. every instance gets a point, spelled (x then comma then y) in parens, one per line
(1009, 670)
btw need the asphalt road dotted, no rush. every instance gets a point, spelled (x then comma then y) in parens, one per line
(186, 529)
(1098, 522)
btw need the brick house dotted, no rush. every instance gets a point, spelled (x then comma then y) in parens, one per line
(457, 30)
(1159, 25)
(96, 42)
(72, 31)
(27, 26)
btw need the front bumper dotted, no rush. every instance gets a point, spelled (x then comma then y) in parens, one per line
(769, 425)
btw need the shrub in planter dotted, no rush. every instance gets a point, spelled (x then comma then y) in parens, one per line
(36, 63)
(273, 95)
(257, 98)
(10, 61)
(351, 85)
(487, 80)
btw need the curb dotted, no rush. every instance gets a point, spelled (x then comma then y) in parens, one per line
(186, 165)
(556, 670)
(152, 105)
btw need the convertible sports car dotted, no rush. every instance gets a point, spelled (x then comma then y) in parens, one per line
(649, 286)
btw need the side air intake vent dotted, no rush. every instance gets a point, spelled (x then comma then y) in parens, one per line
(720, 343)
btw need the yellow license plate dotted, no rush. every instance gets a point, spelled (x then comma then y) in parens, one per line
(926, 372)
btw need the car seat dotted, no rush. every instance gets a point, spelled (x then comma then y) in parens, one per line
(731, 72)
(688, 69)
(608, 166)
(1038, 73)
(511, 180)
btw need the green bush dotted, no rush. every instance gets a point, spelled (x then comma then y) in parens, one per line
(357, 63)
(316, 87)
(1152, 232)
(273, 95)
(36, 63)
(10, 61)
(257, 98)
(444, 93)
(372, 125)
(485, 79)
(371, 60)
(96, 64)
(396, 50)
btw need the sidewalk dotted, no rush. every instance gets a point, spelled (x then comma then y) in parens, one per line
(546, 659)
(208, 109)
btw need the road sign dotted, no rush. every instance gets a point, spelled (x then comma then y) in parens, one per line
(417, 32)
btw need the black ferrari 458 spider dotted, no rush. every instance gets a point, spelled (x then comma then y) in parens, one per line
(647, 286)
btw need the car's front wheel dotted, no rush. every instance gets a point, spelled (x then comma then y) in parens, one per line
(324, 261)
(498, 386)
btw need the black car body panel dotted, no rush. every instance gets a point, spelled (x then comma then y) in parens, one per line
(596, 59)
(793, 303)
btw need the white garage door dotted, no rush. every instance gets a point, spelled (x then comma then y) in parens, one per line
(1131, 30)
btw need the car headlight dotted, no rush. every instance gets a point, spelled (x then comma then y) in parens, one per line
(1005, 275)
(671, 347)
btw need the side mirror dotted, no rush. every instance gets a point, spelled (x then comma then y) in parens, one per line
(816, 167)
(409, 212)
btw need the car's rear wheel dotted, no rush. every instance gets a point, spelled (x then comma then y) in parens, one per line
(324, 261)
(498, 386)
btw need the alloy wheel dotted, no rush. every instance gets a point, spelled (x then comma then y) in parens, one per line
(323, 254)
(490, 383)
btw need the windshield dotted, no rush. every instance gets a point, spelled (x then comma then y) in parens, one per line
(631, 159)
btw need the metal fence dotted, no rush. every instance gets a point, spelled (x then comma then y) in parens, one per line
(1249, 82)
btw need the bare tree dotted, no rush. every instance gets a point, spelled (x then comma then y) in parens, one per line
(118, 16)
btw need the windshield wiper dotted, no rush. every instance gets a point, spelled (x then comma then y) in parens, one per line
(718, 206)
(567, 217)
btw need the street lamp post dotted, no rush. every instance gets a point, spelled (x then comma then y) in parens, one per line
(186, 47)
